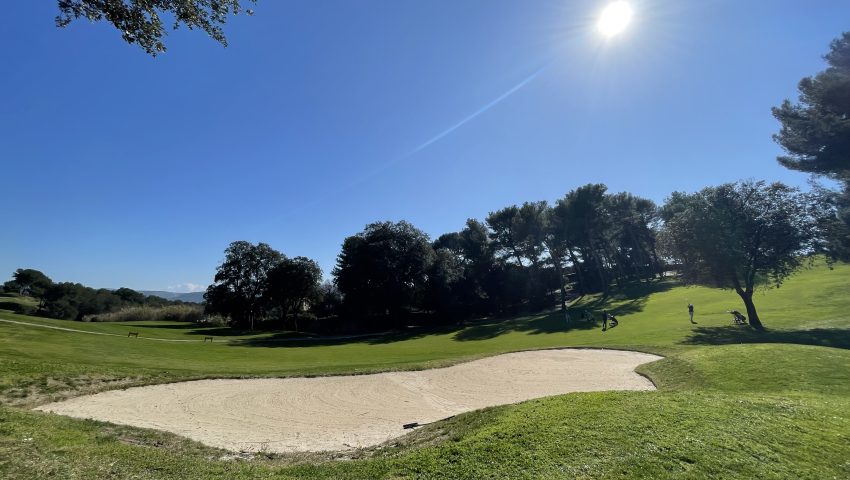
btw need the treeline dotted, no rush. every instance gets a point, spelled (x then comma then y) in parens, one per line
(519, 258)
(525, 258)
(73, 301)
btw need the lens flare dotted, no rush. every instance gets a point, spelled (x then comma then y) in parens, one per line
(615, 18)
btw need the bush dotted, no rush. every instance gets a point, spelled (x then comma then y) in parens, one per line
(301, 322)
(171, 313)
(215, 320)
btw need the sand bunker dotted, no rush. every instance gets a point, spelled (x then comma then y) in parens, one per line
(339, 413)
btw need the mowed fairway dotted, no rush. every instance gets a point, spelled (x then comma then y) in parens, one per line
(731, 403)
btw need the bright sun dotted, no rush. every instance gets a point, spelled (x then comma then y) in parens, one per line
(615, 18)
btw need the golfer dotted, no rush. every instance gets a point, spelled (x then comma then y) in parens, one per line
(691, 312)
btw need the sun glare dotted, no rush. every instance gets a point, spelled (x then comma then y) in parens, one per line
(615, 18)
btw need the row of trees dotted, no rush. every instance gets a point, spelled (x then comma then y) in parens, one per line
(73, 301)
(520, 257)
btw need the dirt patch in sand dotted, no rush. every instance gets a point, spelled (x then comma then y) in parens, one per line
(345, 412)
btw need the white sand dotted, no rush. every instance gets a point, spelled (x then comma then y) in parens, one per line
(344, 412)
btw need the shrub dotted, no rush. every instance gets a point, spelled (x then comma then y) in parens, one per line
(214, 320)
(301, 322)
(172, 313)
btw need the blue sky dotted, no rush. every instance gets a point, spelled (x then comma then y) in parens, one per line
(119, 169)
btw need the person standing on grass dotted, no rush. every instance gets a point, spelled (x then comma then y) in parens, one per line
(691, 312)
(604, 321)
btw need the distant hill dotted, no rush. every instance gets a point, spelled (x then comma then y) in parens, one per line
(195, 297)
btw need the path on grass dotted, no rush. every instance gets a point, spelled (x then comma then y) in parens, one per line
(65, 329)
(344, 412)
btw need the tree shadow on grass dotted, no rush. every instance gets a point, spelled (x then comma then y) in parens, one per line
(822, 337)
(200, 329)
(551, 322)
(292, 339)
(630, 300)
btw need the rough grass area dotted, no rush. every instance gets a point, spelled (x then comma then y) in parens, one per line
(167, 313)
(732, 403)
(15, 303)
(12, 297)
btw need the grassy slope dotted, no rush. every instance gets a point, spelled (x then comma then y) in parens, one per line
(19, 299)
(149, 329)
(772, 411)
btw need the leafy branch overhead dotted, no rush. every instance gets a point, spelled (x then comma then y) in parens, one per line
(141, 21)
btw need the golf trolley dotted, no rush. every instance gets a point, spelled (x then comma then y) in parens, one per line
(737, 317)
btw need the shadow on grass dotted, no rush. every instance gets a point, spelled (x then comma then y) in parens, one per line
(552, 322)
(822, 337)
(211, 330)
(292, 339)
(632, 299)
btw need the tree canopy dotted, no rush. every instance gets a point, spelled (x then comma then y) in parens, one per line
(815, 131)
(241, 280)
(291, 285)
(739, 236)
(383, 268)
(27, 281)
(143, 21)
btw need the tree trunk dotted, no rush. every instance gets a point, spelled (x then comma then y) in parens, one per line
(577, 268)
(752, 314)
(656, 263)
(600, 271)
(620, 275)
(600, 268)
(518, 258)
(560, 273)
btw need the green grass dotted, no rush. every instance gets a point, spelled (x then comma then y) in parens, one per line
(731, 402)
(164, 330)
(9, 301)
(17, 298)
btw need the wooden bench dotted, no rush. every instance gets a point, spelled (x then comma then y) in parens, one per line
(208, 338)
(133, 334)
